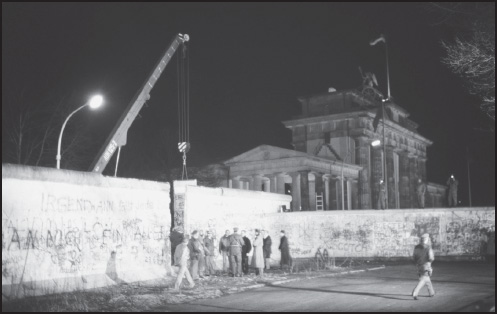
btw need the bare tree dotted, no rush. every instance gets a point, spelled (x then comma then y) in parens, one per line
(471, 54)
(30, 134)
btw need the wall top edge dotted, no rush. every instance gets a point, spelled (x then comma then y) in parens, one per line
(21, 172)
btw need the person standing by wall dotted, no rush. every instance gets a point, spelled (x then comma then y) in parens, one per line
(181, 256)
(267, 242)
(423, 257)
(258, 256)
(452, 183)
(224, 250)
(209, 254)
(201, 259)
(286, 259)
(245, 250)
(236, 244)
(420, 192)
(176, 238)
(382, 196)
(195, 252)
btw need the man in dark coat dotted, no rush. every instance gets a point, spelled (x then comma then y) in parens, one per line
(286, 259)
(209, 254)
(245, 250)
(452, 196)
(196, 252)
(224, 250)
(382, 196)
(176, 237)
(420, 192)
(266, 248)
(236, 244)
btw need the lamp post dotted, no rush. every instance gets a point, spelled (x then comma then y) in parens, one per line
(372, 43)
(94, 102)
(375, 144)
(469, 177)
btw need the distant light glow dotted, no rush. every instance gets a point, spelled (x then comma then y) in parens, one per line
(96, 101)
(376, 143)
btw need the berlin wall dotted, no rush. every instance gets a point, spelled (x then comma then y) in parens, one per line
(454, 232)
(219, 209)
(66, 230)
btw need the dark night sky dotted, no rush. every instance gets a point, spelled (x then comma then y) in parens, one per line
(248, 64)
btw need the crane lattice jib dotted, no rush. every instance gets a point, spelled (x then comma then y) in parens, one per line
(118, 135)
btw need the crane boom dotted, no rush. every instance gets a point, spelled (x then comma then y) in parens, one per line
(118, 135)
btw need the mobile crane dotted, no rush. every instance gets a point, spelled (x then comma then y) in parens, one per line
(117, 137)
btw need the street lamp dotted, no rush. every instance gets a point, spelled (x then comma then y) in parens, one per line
(377, 143)
(94, 102)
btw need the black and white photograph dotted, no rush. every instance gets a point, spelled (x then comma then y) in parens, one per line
(248, 156)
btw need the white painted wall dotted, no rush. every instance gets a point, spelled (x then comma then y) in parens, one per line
(59, 228)
(355, 233)
(219, 209)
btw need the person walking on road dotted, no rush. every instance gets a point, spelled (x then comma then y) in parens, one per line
(181, 256)
(423, 257)
(245, 250)
(224, 250)
(236, 245)
(420, 193)
(258, 256)
(286, 259)
(266, 247)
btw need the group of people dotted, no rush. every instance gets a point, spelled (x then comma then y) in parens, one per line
(194, 256)
(420, 193)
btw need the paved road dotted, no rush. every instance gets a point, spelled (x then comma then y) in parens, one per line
(459, 286)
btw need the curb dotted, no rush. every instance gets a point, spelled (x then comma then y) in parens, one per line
(280, 282)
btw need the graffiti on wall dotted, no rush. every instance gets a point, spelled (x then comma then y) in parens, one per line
(179, 210)
(468, 234)
(394, 238)
(73, 235)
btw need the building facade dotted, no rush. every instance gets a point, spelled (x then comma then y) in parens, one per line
(333, 164)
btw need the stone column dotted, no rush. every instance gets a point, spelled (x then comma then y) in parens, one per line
(319, 187)
(362, 159)
(272, 183)
(413, 176)
(266, 185)
(376, 173)
(391, 178)
(334, 193)
(354, 192)
(235, 182)
(326, 193)
(295, 191)
(404, 184)
(256, 183)
(280, 184)
(304, 190)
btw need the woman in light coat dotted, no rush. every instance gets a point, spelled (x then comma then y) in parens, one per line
(258, 255)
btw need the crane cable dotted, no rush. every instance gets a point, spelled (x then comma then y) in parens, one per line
(183, 107)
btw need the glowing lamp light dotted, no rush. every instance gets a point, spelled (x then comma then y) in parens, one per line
(96, 101)
(376, 143)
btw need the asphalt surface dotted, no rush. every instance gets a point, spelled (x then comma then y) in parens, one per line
(459, 286)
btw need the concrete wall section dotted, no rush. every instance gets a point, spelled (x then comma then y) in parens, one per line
(359, 233)
(219, 209)
(66, 230)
